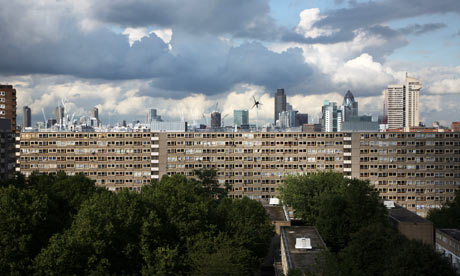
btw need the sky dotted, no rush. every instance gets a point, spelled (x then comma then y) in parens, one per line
(183, 57)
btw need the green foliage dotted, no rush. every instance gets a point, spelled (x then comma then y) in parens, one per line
(449, 215)
(338, 206)
(23, 213)
(207, 180)
(353, 224)
(65, 225)
(103, 236)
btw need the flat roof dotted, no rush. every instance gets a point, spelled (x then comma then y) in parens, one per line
(454, 233)
(401, 214)
(303, 259)
(276, 213)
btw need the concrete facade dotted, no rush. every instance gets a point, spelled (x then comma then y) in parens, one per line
(416, 170)
(8, 104)
(448, 244)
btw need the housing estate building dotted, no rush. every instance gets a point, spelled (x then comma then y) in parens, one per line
(416, 170)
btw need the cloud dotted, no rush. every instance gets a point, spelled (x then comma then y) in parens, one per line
(372, 14)
(243, 18)
(421, 29)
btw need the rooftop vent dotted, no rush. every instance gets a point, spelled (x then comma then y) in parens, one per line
(303, 243)
(274, 201)
(389, 204)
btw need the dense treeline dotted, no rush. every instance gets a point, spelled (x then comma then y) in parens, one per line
(354, 226)
(449, 214)
(65, 225)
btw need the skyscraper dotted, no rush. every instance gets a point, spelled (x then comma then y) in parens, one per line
(241, 117)
(280, 103)
(59, 114)
(26, 117)
(402, 104)
(95, 114)
(412, 116)
(331, 119)
(215, 120)
(152, 115)
(349, 106)
(394, 101)
(8, 104)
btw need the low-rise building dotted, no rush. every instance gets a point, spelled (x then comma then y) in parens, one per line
(411, 225)
(448, 244)
(301, 246)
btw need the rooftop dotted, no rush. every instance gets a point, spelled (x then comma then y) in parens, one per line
(275, 213)
(454, 233)
(401, 214)
(304, 259)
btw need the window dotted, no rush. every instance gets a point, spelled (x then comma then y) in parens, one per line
(2, 112)
(2, 93)
(2, 106)
(2, 100)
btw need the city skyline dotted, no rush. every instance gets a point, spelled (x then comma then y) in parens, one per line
(178, 64)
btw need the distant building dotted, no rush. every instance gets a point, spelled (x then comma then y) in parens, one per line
(160, 126)
(153, 116)
(349, 107)
(455, 126)
(287, 119)
(311, 128)
(26, 117)
(51, 122)
(280, 103)
(360, 124)
(241, 117)
(8, 104)
(448, 244)
(331, 118)
(410, 224)
(402, 104)
(95, 113)
(216, 121)
(301, 119)
(301, 248)
(59, 114)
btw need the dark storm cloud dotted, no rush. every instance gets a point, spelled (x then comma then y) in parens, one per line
(421, 29)
(197, 63)
(212, 67)
(243, 18)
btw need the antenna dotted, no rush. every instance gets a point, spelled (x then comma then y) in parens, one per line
(257, 104)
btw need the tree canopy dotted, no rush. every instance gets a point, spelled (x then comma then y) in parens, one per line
(354, 225)
(449, 214)
(65, 225)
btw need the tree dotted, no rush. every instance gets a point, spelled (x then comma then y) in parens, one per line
(449, 215)
(219, 255)
(103, 239)
(209, 183)
(23, 220)
(338, 206)
(413, 258)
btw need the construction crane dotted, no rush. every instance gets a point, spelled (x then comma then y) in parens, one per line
(223, 118)
(257, 103)
(205, 120)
